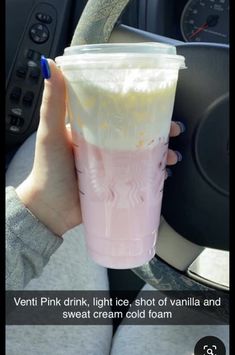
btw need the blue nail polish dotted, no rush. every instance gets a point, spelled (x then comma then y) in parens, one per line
(45, 68)
(179, 155)
(181, 126)
(169, 172)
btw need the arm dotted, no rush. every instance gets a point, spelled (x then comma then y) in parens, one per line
(29, 244)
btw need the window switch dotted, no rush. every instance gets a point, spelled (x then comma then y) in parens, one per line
(43, 18)
(15, 94)
(34, 74)
(28, 98)
(30, 54)
(16, 121)
(21, 71)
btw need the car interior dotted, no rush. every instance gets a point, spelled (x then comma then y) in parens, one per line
(192, 251)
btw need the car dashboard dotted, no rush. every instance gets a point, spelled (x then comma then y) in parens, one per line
(184, 20)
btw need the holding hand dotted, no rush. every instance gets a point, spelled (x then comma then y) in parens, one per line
(51, 192)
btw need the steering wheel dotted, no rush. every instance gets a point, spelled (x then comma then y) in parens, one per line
(195, 203)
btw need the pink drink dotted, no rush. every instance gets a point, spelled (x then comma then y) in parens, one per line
(121, 195)
(120, 103)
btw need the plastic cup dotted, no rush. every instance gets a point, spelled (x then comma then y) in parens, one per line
(120, 103)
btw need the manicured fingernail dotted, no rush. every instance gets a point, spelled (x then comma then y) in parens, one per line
(179, 155)
(181, 126)
(169, 172)
(46, 72)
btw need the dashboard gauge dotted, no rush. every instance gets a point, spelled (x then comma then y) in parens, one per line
(205, 21)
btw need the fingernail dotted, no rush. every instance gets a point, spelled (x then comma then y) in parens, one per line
(181, 126)
(45, 68)
(169, 172)
(179, 155)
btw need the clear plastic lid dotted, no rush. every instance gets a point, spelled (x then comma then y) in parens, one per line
(119, 54)
(145, 47)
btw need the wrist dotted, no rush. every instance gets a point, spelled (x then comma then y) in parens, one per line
(33, 201)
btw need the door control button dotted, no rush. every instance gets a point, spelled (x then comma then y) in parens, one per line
(34, 74)
(16, 121)
(21, 71)
(14, 129)
(16, 111)
(15, 94)
(43, 17)
(37, 56)
(39, 33)
(28, 98)
(29, 54)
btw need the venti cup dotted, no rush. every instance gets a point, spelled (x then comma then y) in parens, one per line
(120, 99)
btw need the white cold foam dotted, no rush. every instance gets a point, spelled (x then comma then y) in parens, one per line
(123, 112)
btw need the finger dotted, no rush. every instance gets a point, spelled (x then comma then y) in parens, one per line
(177, 128)
(53, 107)
(173, 157)
(69, 133)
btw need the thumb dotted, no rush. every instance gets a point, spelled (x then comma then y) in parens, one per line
(53, 107)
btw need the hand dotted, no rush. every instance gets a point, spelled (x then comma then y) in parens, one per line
(50, 192)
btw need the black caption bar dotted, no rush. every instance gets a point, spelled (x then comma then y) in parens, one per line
(101, 308)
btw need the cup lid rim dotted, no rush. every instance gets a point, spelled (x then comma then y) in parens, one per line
(125, 48)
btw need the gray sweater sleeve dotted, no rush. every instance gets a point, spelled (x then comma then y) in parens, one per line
(29, 244)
